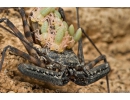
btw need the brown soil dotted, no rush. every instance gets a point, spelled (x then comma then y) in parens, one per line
(109, 28)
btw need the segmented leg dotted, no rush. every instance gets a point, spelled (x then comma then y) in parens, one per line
(61, 11)
(105, 60)
(93, 63)
(21, 54)
(19, 34)
(24, 40)
(27, 31)
(80, 48)
(92, 43)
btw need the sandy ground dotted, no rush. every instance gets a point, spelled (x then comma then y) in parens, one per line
(109, 28)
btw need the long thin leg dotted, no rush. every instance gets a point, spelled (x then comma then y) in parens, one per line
(80, 49)
(27, 31)
(25, 24)
(21, 54)
(62, 13)
(23, 40)
(19, 34)
(105, 60)
(92, 42)
(94, 62)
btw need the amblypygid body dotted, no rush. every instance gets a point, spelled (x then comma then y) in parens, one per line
(45, 69)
